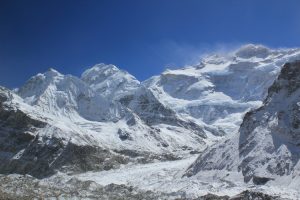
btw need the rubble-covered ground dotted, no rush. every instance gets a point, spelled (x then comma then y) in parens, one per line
(15, 187)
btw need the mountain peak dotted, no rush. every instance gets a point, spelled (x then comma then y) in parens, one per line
(100, 69)
(109, 80)
(52, 73)
(253, 50)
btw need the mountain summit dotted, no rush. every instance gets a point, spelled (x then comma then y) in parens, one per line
(251, 50)
(110, 81)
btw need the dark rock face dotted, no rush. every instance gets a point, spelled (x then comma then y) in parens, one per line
(123, 135)
(281, 104)
(260, 180)
(246, 195)
(249, 195)
(213, 197)
(288, 79)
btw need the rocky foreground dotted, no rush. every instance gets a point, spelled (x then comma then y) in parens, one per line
(15, 187)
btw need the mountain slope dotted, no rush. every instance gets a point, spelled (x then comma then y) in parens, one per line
(267, 145)
(34, 144)
(217, 92)
(67, 96)
(110, 81)
(83, 130)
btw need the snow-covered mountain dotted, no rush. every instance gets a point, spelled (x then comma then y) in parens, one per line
(110, 81)
(67, 96)
(105, 129)
(106, 119)
(266, 148)
(221, 88)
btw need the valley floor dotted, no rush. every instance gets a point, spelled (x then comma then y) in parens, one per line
(168, 177)
(158, 180)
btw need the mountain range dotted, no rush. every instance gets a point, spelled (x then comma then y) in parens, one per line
(231, 118)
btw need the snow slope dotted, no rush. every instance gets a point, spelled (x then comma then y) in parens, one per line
(110, 81)
(67, 96)
(78, 118)
(89, 110)
(221, 88)
(266, 150)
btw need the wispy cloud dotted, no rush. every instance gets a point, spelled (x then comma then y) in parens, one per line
(175, 55)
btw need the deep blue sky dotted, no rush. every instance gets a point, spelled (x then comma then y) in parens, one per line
(140, 36)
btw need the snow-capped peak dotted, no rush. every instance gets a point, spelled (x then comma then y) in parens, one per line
(52, 72)
(66, 96)
(93, 73)
(37, 84)
(109, 80)
(252, 50)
